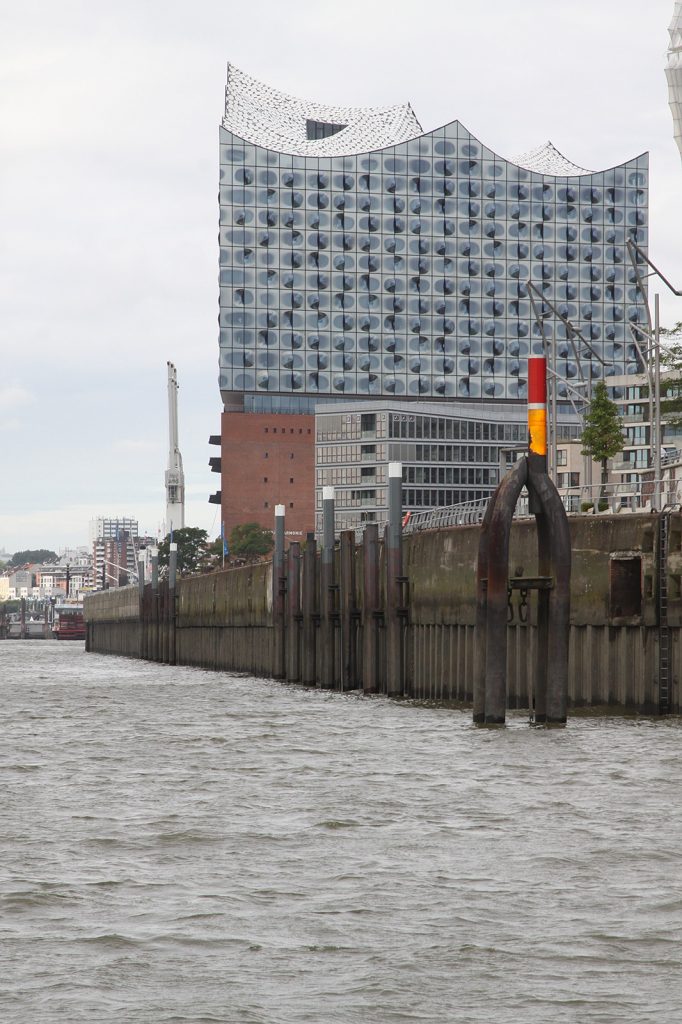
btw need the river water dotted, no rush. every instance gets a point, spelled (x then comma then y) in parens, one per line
(184, 846)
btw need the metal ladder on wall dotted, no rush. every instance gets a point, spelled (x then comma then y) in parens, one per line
(664, 665)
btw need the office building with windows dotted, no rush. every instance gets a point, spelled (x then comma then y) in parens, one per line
(364, 259)
(451, 452)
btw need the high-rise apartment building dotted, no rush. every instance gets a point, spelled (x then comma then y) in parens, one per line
(363, 258)
(114, 542)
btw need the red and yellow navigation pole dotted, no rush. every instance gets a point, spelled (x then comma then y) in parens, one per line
(537, 425)
(537, 413)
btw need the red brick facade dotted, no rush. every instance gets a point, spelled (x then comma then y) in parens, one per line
(268, 459)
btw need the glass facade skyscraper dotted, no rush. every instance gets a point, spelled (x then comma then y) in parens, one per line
(363, 258)
(400, 268)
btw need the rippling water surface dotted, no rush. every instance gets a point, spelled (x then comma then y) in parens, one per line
(184, 846)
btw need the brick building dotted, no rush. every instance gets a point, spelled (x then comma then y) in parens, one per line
(268, 459)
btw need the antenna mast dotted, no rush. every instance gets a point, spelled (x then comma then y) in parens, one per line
(175, 478)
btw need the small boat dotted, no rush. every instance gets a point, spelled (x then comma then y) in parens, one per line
(69, 623)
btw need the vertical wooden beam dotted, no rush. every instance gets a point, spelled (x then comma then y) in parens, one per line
(370, 607)
(327, 631)
(278, 592)
(395, 681)
(154, 625)
(347, 609)
(293, 613)
(309, 604)
(172, 601)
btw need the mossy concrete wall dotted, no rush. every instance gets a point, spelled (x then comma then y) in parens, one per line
(441, 566)
(225, 620)
(221, 620)
(613, 657)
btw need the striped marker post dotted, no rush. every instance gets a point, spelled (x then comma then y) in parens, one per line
(537, 414)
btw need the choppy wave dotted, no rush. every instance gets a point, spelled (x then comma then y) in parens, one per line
(179, 847)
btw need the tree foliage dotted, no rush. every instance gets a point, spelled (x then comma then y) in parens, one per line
(671, 389)
(193, 545)
(603, 433)
(34, 556)
(249, 540)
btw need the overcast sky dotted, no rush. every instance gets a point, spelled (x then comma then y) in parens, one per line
(109, 119)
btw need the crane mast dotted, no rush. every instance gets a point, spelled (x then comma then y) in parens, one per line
(175, 478)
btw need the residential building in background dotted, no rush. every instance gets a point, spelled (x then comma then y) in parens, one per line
(65, 580)
(21, 583)
(115, 543)
(364, 259)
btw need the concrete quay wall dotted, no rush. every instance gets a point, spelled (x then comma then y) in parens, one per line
(619, 624)
(218, 621)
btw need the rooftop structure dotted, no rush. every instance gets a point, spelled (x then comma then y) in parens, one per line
(272, 119)
(547, 159)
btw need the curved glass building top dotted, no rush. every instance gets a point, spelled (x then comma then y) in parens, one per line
(403, 269)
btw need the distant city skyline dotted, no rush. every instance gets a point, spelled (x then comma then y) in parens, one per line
(110, 216)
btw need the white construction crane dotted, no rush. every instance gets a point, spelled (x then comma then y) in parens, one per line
(673, 72)
(175, 478)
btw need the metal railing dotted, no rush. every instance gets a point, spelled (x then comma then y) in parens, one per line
(622, 497)
(466, 513)
(631, 497)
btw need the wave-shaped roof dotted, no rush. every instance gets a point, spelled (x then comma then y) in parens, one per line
(267, 117)
(547, 159)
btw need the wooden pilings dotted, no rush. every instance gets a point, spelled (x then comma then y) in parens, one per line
(327, 594)
(293, 613)
(370, 609)
(348, 614)
(395, 666)
(309, 613)
(344, 627)
(278, 592)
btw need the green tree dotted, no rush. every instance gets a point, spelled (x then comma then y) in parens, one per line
(249, 540)
(213, 555)
(33, 555)
(192, 549)
(671, 389)
(603, 433)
